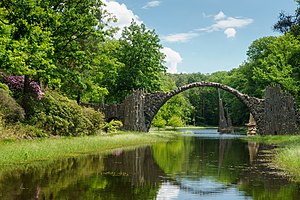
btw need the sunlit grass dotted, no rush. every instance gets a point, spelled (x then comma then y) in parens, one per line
(288, 159)
(271, 139)
(26, 151)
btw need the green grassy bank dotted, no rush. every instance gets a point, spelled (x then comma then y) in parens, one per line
(287, 157)
(27, 151)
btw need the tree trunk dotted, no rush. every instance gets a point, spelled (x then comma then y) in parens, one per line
(78, 98)
(26, 95)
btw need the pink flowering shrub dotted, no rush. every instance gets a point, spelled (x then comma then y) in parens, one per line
(16, 84)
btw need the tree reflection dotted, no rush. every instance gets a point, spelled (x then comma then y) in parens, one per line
(228, 162)
(192, 166)
(46, 180)
(221, 159)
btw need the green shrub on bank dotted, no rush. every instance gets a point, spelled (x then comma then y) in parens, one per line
(4, 87)
(10, 109)
(175, 121)
(1, 122)
(22, 131)
(113, 126)
(96, 118)
(159, 122)
(62, 116)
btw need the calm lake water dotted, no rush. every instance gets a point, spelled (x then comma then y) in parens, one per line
(203, 165)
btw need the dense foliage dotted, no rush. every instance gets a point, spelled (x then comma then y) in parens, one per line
(143, 62)
(69, 47)
(60, 116)
(10, 110)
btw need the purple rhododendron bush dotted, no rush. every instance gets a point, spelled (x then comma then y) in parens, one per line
(16, 84)
(50, 113)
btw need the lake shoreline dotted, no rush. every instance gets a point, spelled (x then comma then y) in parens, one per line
(15, 152)
(286, 156)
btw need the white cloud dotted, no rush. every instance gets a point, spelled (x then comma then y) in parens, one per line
(151, 4)
(122, 13)
(231, 22)
(125, 16)
(179, 37)
(173, 58)
(227, 24)
(219, 16)
(230, 32)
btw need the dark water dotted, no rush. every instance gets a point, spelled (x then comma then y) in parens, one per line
(204, 165)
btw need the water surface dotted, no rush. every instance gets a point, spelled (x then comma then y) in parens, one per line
(203, 165)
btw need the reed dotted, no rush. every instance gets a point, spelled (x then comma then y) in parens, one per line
(288, 159)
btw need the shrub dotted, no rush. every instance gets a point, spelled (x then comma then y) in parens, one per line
(95, 117)
(22, 131)
(1, 122)
(16, 83)
(4, 87)
(175, 121)
(159, 122)
(62, 116)
(113, 126)
(11, 110)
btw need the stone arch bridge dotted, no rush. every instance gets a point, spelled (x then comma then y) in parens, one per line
(276, 114)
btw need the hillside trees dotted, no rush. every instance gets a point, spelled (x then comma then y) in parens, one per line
(271, 60)
(280, 65)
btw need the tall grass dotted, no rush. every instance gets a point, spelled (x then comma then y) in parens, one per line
(288, 159)
(278, 139)
(288, 156)
(26, 151)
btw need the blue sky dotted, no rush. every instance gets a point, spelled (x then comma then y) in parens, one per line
(203, 35)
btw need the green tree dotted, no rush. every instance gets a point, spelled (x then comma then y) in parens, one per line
(78, 32)
(55, 42)
(175, 121)
(280, 65)
(140, 52)
(26, 41)
(159, 122)
(108, 70)
(288, 22)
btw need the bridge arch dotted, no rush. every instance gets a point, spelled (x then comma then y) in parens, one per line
(277, 113)
(154, 101)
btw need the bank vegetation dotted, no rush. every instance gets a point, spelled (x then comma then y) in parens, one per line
(287, 153)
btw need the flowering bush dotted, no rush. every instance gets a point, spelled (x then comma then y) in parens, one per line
(16, 83)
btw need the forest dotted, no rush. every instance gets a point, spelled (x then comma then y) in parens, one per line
(55, 55)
